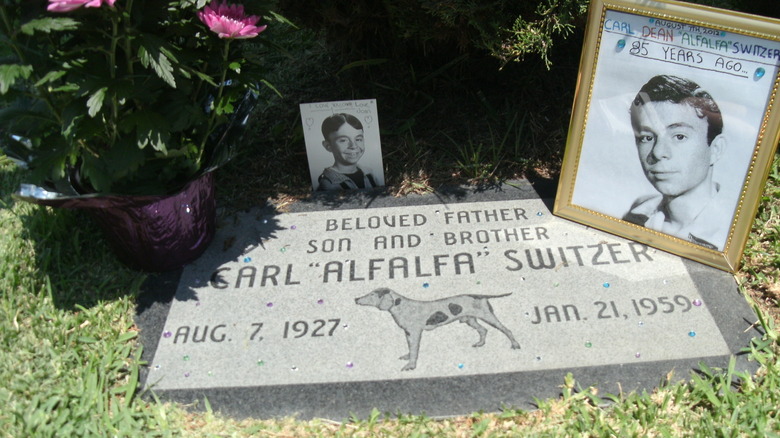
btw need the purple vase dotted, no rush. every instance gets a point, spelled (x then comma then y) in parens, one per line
(152, 233)
(162, 234)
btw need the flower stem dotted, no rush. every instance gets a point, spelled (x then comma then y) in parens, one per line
(114, 122)
(128, 46)
(6, 23)
(220, 90)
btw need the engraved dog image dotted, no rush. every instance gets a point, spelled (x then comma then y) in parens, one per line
(415, 316)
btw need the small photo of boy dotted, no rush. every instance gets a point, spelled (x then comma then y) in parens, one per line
(342, 145)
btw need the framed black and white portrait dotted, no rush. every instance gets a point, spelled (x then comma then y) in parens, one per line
(343, 144)
(674, 126)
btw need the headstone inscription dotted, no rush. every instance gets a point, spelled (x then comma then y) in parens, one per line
(443, 307)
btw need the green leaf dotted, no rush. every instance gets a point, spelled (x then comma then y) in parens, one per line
(94, 171)
(282, 19)
(122, 160)
(154, 56)
(271, 87)
(95, 102)
(151, 129)
(28, 118)
(10, 73)
(235, 66)
(197, 4)
(51, 77)
(225, 107)
(48, 25)
(181, 115)
(126, 336)
(72, 115)
(204, 77)
(363, 63)
(67, 88)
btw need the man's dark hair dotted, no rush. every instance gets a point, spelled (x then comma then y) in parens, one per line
(665, 88)
(332, 123)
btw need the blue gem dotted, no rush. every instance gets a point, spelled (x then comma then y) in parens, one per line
(760, 72)
(606, 285)
(621, 44)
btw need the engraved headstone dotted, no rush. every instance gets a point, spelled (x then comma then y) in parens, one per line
(441, 305)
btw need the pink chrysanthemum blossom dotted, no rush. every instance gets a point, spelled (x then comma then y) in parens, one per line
(69, 5)
(230, 21)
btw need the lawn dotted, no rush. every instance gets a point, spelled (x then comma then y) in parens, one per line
(69, 362)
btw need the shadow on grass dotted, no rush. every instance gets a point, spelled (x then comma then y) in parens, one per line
(72, 259)
(75, 259)
(61, 250)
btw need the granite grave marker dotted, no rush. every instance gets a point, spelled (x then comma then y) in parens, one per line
(434, 304)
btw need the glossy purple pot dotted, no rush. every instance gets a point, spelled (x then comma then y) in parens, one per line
(149, 233)
(159, 233)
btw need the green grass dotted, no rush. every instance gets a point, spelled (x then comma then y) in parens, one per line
(761, 264)
(69, 354)
(69, 360)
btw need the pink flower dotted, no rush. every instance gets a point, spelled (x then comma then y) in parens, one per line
(69, 5)
(230, 21)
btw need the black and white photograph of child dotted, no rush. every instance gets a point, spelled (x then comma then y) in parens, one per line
(678, 163)
(678, 130)
(667, 146)
(343, 145)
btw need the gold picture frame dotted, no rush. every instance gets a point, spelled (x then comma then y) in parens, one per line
(634, 164)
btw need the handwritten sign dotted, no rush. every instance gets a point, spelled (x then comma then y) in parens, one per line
(639, 52)
(692, 46)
